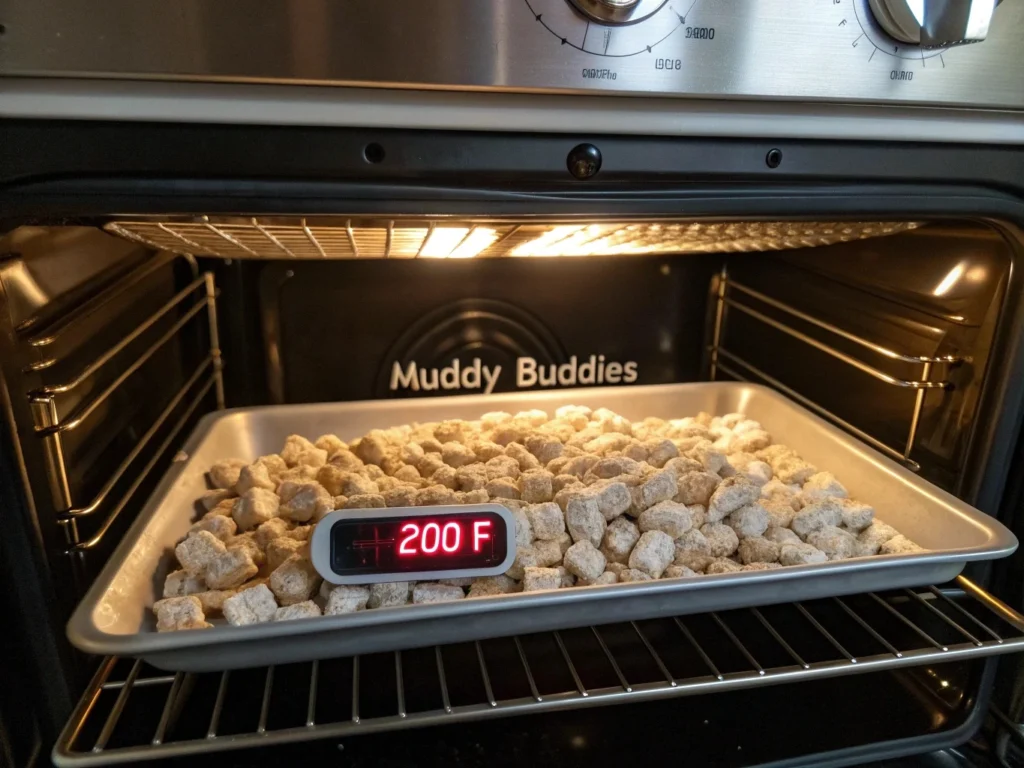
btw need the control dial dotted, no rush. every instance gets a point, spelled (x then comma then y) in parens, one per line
(934, 23)
(617, 12)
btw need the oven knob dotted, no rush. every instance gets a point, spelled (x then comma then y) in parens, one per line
(617, 12)
(934, 23)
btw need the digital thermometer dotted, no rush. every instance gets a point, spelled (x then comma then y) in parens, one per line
(367, 546)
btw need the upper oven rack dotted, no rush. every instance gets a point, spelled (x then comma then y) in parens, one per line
(186, 713)
(411, 238)
(724, 360)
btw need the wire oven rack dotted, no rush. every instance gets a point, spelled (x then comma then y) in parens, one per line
(133, 712)
(184, 307)
(730, 296)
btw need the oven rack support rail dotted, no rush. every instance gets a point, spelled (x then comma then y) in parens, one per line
(730, 295)
(188, 713)
(173, 318)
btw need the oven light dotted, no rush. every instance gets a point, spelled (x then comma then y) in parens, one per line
(543, 245)
(951, 279)
(442, 241)
(479, 240)
(458, 242)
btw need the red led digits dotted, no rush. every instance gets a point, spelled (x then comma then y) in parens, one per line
(479, 533)
(456, 537)
(433, 537)
(418, 543)
(408, 547)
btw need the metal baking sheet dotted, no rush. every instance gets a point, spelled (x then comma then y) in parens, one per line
(115, 617)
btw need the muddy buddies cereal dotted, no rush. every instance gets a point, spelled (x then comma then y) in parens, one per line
(597, 499)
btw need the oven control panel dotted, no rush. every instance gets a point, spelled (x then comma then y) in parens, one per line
(935, 52)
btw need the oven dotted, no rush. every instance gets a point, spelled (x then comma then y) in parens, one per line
(203, 208)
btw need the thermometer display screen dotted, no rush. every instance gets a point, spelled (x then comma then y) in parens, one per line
(418, 543)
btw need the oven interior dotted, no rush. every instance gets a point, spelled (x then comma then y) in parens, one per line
(121, 332)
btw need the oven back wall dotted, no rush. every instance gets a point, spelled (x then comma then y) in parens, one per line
(371, 329)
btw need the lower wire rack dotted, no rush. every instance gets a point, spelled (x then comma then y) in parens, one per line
(133, 712)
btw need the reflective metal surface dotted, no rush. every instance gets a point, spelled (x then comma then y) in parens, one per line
(934, 22)
(629, 662)
(115, 616)
(796, 49)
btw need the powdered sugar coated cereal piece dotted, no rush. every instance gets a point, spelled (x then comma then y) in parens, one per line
(605, 578)
(211, 499)
(270, 530)
(748, 521)
(873, 537)
(660, 485)
(693, 550)
(546, 520)
(212, 600)
(295, 580)
(856, 514)
(436, 593)
(733, 493)
(250, 606)
(678, 572)
(256, 475)
(196, 551)
(281, 548)
(721, 538)
(182, 583)
(224, 474)
(722, 565)
(834, 542)
(669, 516)
(247, 543)
(780, 511)
(221, 527)
(294, 446)
(619, 539)
(584, 560)
(457, 455)
(307, 609)
(179, 613)
(793, 469)
(781, 535)
(822, 485)
(536, 579)
(535, 485)
(489, 586)
(524, 532)
(653, 553)
(758, 472)
(899, 545)
(816, 516)
(389, 594)
(545, 447)
(254, 507)
(584, 520)
(801, 554)
(749, 440)
(346, 598)
(229, 569)
(758, 550)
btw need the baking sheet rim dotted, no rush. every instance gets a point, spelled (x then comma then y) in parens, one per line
(85, 635)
